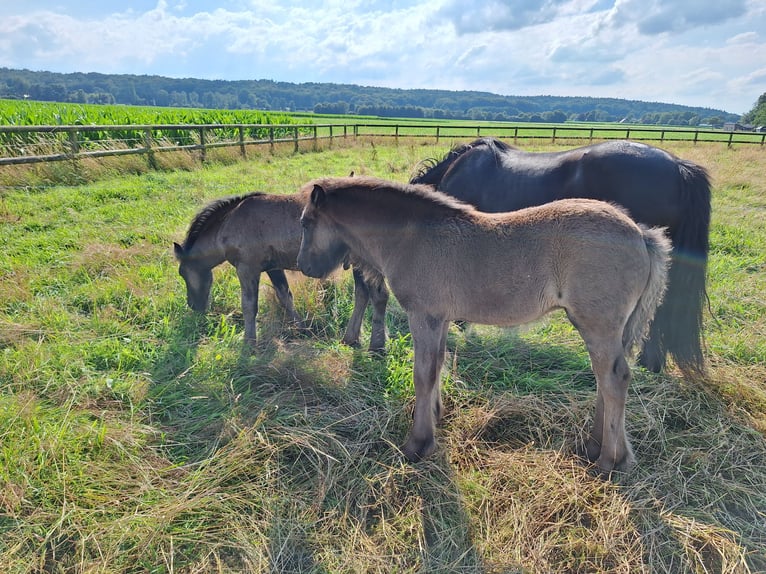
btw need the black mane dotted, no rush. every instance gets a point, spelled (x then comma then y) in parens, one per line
(431, 171)
(212, 214)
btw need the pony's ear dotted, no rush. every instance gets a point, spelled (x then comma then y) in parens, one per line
(317, 196)
(351, 174)
(178, 250)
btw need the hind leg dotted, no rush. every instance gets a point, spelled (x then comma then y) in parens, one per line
(285, 296)
(379, 297)
(608, 444)
(361, 298)
(429, 338)
(249, 280)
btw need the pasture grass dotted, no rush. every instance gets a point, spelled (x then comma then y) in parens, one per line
(137, 436)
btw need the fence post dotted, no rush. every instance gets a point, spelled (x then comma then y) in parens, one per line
(242, 141)
(295, 138)
(148, 148)
(553, 139)
(437, 135)
(74, 146)
(731, 136)
(203, 151)
(271, 139)
(515, 135)
(396, 134)
(345, 131)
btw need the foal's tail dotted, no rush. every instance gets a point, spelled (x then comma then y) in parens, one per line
(659, 248)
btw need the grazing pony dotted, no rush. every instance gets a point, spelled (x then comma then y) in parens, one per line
(655, 187)
(259, 233)
(446, 261)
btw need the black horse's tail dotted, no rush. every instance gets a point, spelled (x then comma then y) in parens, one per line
(680, 317)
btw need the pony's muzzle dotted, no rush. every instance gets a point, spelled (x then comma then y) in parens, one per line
(310, 270)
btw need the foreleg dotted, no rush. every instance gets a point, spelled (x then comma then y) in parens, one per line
(284, 295)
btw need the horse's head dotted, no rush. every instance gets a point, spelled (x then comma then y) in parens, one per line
(322, 250)
(197, 276)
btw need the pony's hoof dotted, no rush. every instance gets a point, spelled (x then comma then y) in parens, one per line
(353, 343)
(606, 468)
(377, 351)
(301, 327)
(417, 450)
(250, 348)
(607, 465)
(377, 346)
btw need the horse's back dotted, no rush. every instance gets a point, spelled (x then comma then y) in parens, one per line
(264, 229)
(643, 179)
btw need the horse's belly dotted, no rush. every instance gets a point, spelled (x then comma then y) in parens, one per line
(505, 310)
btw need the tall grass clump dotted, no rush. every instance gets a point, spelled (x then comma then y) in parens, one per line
(138, 436)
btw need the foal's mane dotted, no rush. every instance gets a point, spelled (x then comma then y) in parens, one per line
(431, 171)
(212, 214)
(424, 194)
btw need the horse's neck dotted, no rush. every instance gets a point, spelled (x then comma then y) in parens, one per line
(208, 248)
(381, 227)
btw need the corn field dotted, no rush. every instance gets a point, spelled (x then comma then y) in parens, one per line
(28, 113)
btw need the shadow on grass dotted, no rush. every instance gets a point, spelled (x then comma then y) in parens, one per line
(339, 495)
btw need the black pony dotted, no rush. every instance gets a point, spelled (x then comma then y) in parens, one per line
(657, 189)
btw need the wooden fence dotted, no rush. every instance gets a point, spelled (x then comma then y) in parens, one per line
(33, 144)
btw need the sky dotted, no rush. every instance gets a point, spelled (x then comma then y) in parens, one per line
(707, 53)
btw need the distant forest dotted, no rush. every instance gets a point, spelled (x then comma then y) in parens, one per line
(342, 99)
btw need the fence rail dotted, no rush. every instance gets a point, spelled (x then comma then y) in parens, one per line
(34, 144)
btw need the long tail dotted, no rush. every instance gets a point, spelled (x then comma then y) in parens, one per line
(659, 248)
(679, 319)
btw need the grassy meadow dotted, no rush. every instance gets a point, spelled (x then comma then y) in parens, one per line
(138, 436)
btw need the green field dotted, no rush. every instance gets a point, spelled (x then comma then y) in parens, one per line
(137, 436)
(30, 113)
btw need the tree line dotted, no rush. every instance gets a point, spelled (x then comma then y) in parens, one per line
(757, 116)
(331, 98)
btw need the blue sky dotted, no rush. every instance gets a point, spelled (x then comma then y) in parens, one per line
(709, 53)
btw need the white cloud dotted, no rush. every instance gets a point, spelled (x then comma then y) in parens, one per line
(659, 16)
(486, 15)
(744, 38)
(679, 51)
